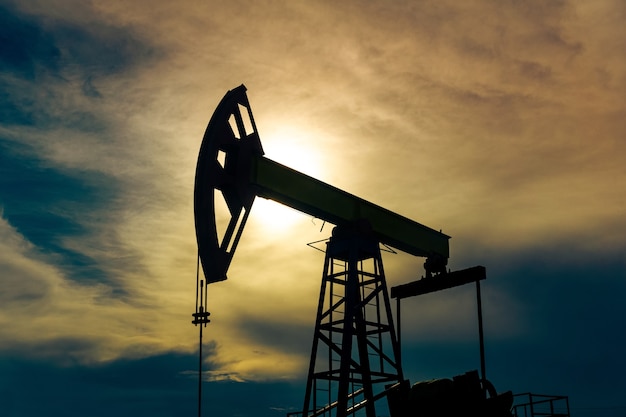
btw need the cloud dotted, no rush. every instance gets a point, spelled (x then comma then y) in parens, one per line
(47, 315)
(35, 290)
(160, 385)
(501, 124)
(549, 322)
(26, 46)
(155, 385)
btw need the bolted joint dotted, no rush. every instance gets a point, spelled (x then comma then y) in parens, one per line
(201, 317)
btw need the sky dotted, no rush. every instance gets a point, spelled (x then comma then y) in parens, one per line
(501, 123)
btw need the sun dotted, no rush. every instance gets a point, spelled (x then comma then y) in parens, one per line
(296, 149)
(299, 149)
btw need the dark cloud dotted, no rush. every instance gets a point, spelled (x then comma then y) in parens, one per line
(46, 205)
(46, 65)
(162, 385)
(65, 352)
(89, 89)
(569, 341)
(33, 45)
(27, 48)
(54, 55)
(535, 70)
(151, 386)
(266, 399)
(286, 336)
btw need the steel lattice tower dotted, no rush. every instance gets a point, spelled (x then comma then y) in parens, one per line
(354, 345)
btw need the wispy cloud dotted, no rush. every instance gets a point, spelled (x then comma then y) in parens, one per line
(500, 123)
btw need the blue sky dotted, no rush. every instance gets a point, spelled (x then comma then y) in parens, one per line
(502, 124)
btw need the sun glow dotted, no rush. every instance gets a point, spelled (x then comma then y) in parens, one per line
(273, 216)
(297, 150)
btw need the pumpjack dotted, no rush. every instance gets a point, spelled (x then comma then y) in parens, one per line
(355, 358)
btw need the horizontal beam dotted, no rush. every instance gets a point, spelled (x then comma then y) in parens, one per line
(316, 198)
(439, 282)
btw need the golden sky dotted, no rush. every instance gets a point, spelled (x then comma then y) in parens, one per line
(501, 123)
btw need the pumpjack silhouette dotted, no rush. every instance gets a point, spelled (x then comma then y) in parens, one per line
(355, 357)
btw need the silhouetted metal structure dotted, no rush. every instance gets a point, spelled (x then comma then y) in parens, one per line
(231, 161)
(200, 317)
(468, 394)
(355, 357)
(355, 348)
(445, 281)
(538, 405)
